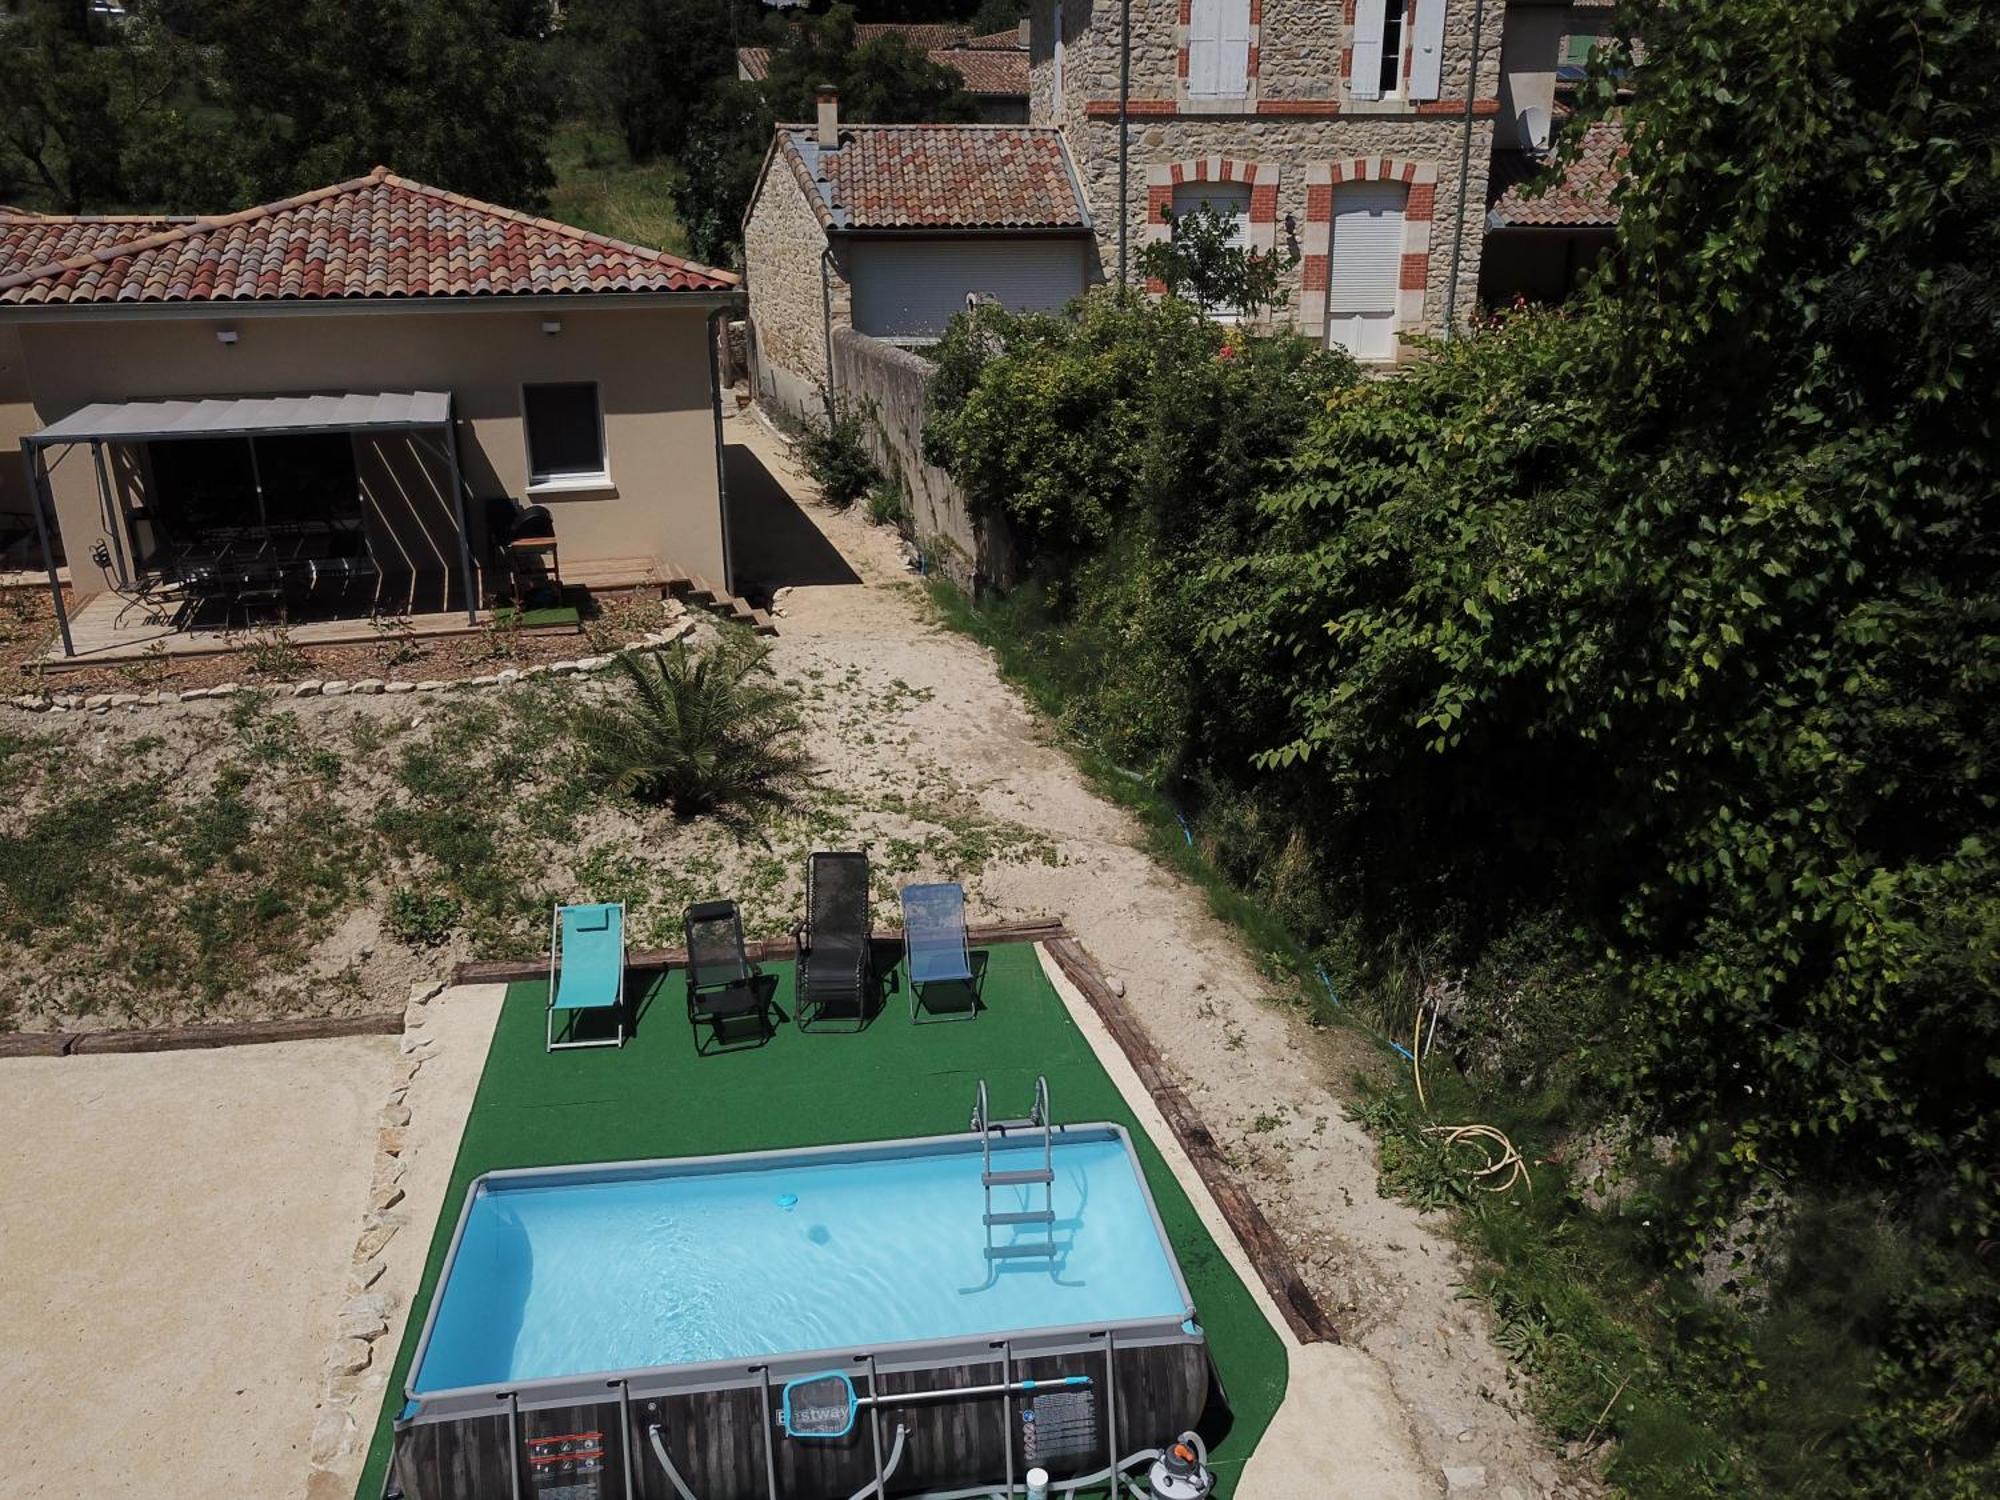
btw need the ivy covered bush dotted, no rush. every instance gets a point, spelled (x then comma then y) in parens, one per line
(1637, 663)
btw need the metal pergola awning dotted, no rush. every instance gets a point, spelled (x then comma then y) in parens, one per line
(246, 417)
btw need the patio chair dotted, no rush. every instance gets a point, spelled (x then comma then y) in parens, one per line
(587, 970)
(834, 966)
(934, 943)
(724, 987)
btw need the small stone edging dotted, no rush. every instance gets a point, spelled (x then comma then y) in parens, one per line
(352, 1379)
(317, 687)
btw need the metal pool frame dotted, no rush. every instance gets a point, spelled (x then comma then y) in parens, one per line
(1069, 1338)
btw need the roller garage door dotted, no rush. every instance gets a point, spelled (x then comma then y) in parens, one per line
(911, 288)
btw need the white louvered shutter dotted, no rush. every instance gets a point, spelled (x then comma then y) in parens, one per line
(1363, 280)
(1232, 52)
(1205, 47)
(1364, 74)
(1427, 49)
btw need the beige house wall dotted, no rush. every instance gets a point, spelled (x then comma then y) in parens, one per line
(1298, 124)
(661, 508)
(17, 420)
(782, 246)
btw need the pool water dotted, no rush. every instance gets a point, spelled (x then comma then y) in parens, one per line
(639, 1268)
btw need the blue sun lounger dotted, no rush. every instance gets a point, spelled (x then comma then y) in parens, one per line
(934, 945)
(587, 969)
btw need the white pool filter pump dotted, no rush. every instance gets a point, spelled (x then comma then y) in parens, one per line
(1181, 1471)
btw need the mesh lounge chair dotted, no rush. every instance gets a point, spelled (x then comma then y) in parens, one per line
(723, 985)
(834, 961)
(587, 969)
(934, 943)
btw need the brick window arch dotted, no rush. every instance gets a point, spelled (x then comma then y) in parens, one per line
(1316, 239)
(1261, 177)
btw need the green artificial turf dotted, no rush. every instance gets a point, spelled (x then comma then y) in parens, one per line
(656, 1098)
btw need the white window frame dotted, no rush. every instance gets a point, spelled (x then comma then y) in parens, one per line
(1229, 23)
(549, 483)
(1370, 50)
(1386, 317)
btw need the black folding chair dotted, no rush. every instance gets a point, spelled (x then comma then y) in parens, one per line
(724, 987)
(835, 965)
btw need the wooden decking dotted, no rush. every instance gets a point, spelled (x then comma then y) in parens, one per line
(107, 628)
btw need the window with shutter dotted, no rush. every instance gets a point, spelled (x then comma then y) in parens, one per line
(1426, 49)
(1364, 276)
(1218, 46)
(1230, 198)
(1383, 41)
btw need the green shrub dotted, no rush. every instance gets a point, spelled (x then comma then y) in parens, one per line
(888, 505)
(423, 919)
(712, 732)
(834, 448)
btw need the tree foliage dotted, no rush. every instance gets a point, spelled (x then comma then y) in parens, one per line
(198, 105)
(1201, 263)
(1654, 643)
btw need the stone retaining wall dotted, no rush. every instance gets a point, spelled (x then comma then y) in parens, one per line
(890, 387)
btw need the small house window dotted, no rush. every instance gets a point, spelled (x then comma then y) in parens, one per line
(1218, 49)
(1391, 83)
(565, 433)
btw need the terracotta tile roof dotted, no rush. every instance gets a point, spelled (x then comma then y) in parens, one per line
(988, 72)
(937, 177)
(1581, 200)
(921, 35)
(29, 240)
(995, 64)
(377, 236)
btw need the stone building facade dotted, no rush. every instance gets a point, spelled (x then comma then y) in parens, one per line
(802, 290)
(1296, 132)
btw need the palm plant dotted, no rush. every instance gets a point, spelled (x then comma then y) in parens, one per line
(702, 732)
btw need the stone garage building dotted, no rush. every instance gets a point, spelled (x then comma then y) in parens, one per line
(890, 229)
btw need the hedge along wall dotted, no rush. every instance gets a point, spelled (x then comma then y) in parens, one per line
(890, 388)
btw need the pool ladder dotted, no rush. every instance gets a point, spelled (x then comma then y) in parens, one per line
(1044, 1175)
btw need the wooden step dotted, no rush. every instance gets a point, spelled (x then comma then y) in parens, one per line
(692, 588)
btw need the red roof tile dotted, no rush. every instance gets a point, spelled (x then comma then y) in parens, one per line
(987, 64)
(938, 177)
(988, 72)
(1580, 200)
(377, 236)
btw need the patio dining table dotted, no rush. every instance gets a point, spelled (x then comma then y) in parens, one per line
(248, 564)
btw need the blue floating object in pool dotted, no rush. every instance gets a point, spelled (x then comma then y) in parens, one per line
(788, 1200)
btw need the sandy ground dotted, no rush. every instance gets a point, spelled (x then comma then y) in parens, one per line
(1339, 1432)
(450, 1036)
(175, 1230)
(1269, 1086)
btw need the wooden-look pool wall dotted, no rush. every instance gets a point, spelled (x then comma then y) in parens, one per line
(716, 1438)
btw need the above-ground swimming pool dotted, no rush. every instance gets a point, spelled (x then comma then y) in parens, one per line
(592, 1324)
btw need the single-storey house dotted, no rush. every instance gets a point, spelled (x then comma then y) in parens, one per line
(347, 389)
(890, 229)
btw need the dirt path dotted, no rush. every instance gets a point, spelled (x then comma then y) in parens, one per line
(1262, 1078)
